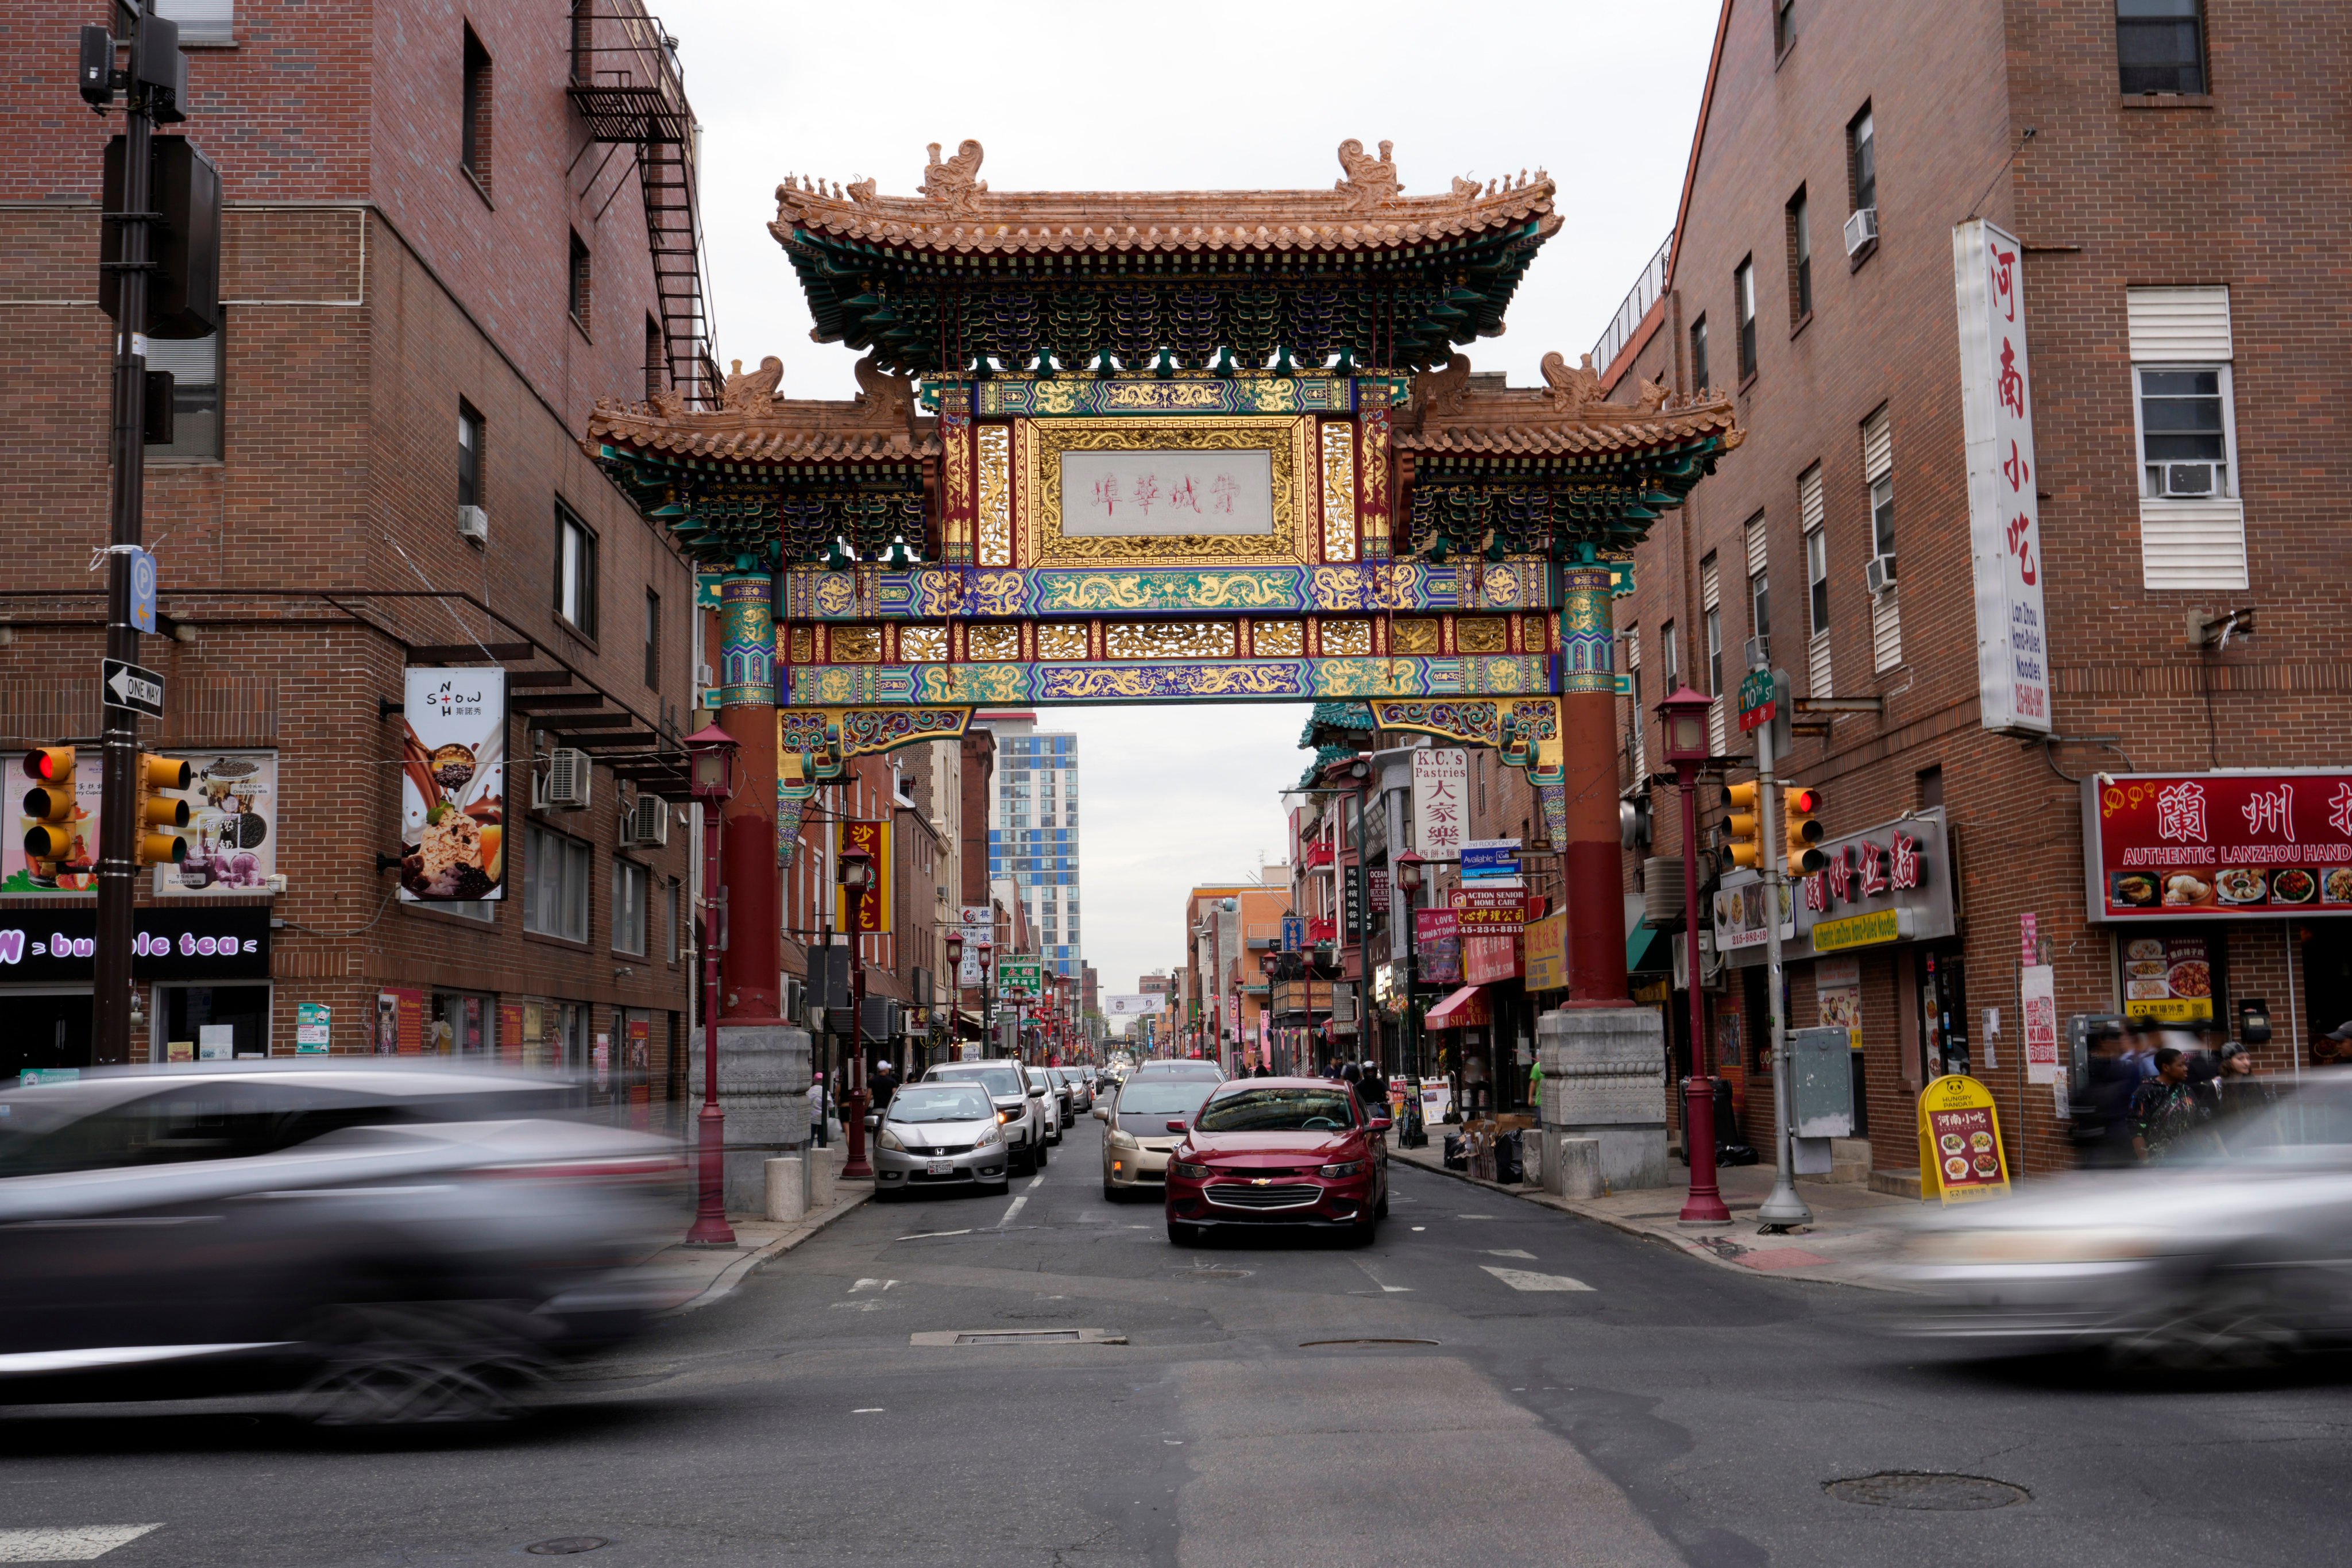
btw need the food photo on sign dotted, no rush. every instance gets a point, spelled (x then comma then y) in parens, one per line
(2219, 845)
(232, 826)
(452, 785)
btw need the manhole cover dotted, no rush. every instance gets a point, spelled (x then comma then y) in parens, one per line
(1921, 1489)
(1018, 1337)
(1312, 1344)
(566, 1545)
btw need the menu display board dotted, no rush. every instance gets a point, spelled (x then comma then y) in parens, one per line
(2167, 977)
(1961, 1156)
(2225, 846)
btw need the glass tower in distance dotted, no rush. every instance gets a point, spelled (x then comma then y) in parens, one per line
(1032, 831)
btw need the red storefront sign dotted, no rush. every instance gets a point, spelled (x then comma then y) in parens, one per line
(1487, 959)
(2219, 845)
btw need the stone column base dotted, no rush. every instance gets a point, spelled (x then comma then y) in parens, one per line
(1605, 1079)
(763, 1079)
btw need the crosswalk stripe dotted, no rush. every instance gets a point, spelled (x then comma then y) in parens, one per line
(1522, 1279)
(68, 1544)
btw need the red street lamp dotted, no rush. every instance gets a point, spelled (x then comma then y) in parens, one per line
(711, 753)
(855, 872)
(1683, 713)
(986, 951)
(1410, 870)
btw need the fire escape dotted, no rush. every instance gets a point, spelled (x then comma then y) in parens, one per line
(627, 84)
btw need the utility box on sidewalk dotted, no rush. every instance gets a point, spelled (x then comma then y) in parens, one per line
(1605, 1079)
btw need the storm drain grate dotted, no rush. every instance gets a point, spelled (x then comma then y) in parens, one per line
(1312, 1344)
(1018, 1337)
(566, 1545)
(1926, 1489)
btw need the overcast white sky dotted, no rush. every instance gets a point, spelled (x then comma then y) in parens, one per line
(1203, 94)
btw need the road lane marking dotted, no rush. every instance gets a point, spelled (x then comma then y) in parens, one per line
(68, 1544)
(877, 1410)
(1509, 1252)
(1039, 1182)
(863, 1285)
(1017, 1205)
(1520, 1279)
(933, 1234)
(1386, 1289)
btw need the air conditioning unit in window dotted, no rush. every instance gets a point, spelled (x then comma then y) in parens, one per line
(563, 787)
(2191, 479)
(473, 525)
(1880, 573)
(648, 824)
(1861, 229)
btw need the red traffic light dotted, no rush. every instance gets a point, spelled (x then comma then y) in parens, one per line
(51, 764)
(1802, 801)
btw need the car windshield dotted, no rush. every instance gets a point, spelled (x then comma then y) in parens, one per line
(1278, 1109)
(941, 1102)
(1179, 1069)
(1002, 1082)
(1159, 1101)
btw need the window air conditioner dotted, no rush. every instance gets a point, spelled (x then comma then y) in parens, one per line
(2193, 480)
(1880, 573)
(473, 525)
(649, 821)
(1861, 229)
(565, 785)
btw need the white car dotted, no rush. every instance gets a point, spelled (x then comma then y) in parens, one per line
(1048, 1096)
(1018, 1105)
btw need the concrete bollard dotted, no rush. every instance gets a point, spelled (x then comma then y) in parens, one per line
(823, 1174)
(783, 1173)
(1573, 1167)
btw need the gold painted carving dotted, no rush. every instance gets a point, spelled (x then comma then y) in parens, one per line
(993, 642)
(1535, 634)
(1416, 636)
(1041, 443)
(922, 643)
(1338, 491)
(1278, 639)
(803, 646)
(1067, 640)
(1482, 634)
(1346, 640)
(857, 645)
(995, 496)
(1169, 639)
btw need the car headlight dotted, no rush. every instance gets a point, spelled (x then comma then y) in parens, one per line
(1344, 1168)
(889, 1140)
(1189, 1172)
(989, 1134)
(1118, 1139)
(1005, 1116)
(2101, 1245)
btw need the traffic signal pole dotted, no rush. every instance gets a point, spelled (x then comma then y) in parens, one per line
(118, 832)
(1784, 1208)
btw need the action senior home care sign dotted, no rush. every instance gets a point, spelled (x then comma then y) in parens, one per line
(2004, 520)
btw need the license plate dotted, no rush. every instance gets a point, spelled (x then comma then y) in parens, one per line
(938, 1168)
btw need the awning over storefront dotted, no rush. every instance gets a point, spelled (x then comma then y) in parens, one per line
(1647, 950)
(1466, 1006)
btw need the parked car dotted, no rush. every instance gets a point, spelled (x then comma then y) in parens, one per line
(1082, 1091)
(1136, 1138)
(2231, 1254)
(388, 1244)
(1018, 1110)
(1178, 1067)
(936, 1135)
(1055, 1099)
(1278, 1150)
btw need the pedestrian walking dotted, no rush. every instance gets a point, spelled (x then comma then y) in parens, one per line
(2102, 1136)
(881, 1084)
(816, 1107)
(2234, 1092)
(2165, 1109)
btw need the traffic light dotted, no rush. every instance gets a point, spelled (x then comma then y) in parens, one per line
(49, 804)
(157, 811)
(1805, 834)
(1745, 846)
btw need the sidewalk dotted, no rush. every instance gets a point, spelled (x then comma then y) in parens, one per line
(1854, 1231)
(702, 1275)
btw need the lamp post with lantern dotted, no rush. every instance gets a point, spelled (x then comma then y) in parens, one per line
(986, 950)
(711, 753)
(855, 871)
(1410, 870)
(955, 986)
(1684, 714)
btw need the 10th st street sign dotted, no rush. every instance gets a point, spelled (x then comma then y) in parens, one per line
(126, 685)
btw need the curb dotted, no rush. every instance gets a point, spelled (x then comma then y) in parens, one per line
(1688, 1246)
(724, 1284)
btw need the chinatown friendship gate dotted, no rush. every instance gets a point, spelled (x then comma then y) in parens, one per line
(1166, 446)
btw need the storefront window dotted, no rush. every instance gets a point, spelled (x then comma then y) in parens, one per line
(213, 1023)
(462, 1024)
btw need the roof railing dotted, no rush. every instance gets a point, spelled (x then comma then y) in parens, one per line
(1644, 293)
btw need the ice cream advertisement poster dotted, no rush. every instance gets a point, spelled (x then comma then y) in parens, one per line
(232, 831)
(76, 876)
(453, 770)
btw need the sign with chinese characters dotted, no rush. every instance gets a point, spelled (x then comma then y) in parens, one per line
(1547, 953)
(1487, 959)
(1136, 1005)
(1961, 1156)
(231, 830)
(1020, 977)
(1900, 870)
(313, 1029)
(1440, 801)
(2218, 845)
(872, 915)
(2037, 1000)
(1129, 493)
(1837, 997)
(979, 925)
(60, 943)
(2169, 978)
(453, 769)
(1483, 913)
(2004, 518)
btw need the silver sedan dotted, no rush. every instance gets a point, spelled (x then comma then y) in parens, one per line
(2236, 1254)
(935, 1135)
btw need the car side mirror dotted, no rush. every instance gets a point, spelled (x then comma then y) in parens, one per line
(1100, 1114)
(1036, 1094)
(1381, 1124)
(873, 1122)
(1179, 1126)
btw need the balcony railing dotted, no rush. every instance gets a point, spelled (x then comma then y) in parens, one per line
(1319, 854)
(1645, 291)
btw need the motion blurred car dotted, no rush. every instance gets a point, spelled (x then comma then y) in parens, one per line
(1019, 1109)
(938, 1135)
(1278, 1150)
(1136, 1138)
(2231, 1255)
(389, 1245)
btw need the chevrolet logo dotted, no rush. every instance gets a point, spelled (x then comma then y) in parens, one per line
(1261, 1181)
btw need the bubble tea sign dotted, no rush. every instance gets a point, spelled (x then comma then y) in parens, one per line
(452, 785)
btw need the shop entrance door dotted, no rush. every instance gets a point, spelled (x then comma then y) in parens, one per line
(1944, 1011)
(45, 1029)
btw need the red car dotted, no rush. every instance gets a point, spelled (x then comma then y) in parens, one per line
(1278, 1150)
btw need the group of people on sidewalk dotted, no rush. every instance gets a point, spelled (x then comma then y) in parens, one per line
(2157, 1092)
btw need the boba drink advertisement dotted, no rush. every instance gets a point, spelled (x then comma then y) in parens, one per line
(453, 770)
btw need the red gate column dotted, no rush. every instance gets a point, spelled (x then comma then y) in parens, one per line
(1591, 851)
(751, 973)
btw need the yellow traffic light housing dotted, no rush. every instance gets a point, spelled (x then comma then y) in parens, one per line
(49, 807)
(1805, 834)
(1745, 826)
(156, 810)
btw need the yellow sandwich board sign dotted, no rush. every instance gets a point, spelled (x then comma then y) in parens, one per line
(1961, 1156)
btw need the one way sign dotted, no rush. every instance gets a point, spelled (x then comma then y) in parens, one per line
(128, 686)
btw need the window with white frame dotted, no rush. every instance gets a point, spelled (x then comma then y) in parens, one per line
(1759, 578)
(1886, 600)
(1809, 516)
(1711, 591)
(556, 884)
(1670, 658)
(575, 570)
(631, 891)
(195, 364)
(2193, 521)
(1640, 715)
(203, 23)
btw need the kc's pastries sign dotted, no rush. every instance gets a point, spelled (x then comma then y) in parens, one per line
(2221, 846)
(453, 770)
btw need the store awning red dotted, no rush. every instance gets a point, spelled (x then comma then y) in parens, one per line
(1466, 1006)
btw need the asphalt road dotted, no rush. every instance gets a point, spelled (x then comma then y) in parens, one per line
(1490, 1382)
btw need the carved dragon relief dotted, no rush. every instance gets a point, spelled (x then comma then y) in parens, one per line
(884, 395)
(1371, 181)
(1573, 389)
(1441, 391)
(752, 391)
(955, 180)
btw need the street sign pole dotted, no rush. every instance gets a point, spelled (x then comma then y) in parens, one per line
(1784, 1208)
(117, 836)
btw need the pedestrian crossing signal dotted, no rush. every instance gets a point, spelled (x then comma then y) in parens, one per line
(158, 812)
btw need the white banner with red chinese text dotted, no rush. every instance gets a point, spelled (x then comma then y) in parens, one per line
(1441, 802)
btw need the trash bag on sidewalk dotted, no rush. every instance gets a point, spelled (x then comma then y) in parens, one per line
(1510, 1169)
(1457, 1153)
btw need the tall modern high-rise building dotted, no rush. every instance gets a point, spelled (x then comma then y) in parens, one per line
(1033, 830)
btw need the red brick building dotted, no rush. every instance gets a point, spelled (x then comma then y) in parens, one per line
(2175, 178)
(434, 259)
